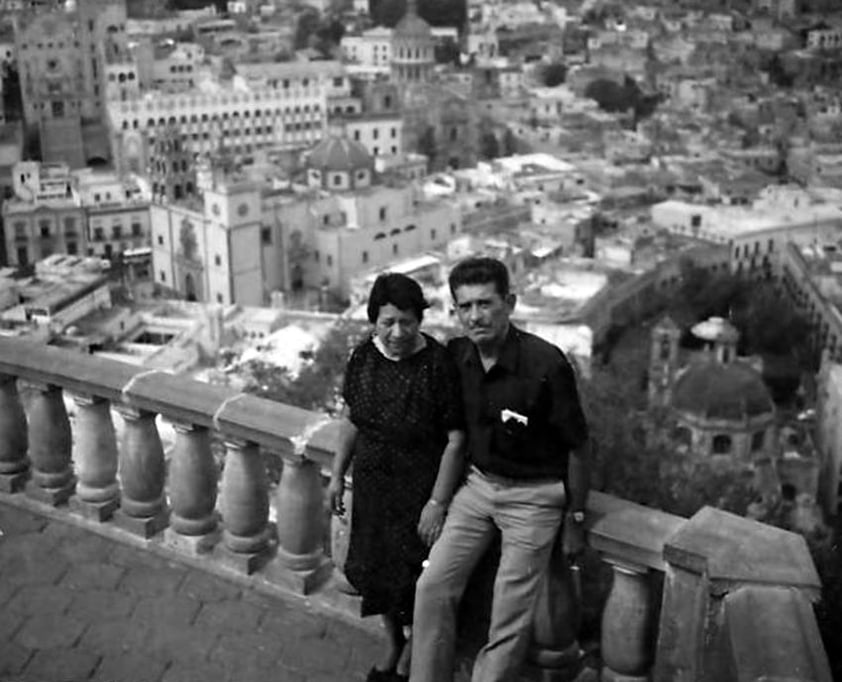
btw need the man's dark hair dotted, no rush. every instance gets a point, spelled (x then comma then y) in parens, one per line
(401, 291)
(480, 270)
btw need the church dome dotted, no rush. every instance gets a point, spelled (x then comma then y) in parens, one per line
(337, 154)
(411, 26)
(732, 391)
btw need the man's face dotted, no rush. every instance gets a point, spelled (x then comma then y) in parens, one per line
(483, 312)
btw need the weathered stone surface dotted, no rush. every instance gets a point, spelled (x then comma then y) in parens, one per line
(180, 672)
(50, 631)
(151, 582)
(315, 655)
(34, 570)
(234, 616)
(208, 588)
(87, 574)
(132, 557)
(129, 667)
(7, 591)
(113, 636)
(173, 609)
(39, 599)
(62, 665)
(178, 643)
(234, 649)
(13, 657)
(10, 623)
(18, 522)
(85, 547)
(302, 623)
(101, 605)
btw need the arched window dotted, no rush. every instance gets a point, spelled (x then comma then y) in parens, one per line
(409, 228)
(379, 235)
(395, 232)
(721, 444)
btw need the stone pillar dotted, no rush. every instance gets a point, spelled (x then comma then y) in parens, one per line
(97, 492)
(193, 480)
(554, 650)
(50, 444)
(142, 471)
(14, 464)
(299, 505)
(627, 623)
(245, 506)
(340, 537)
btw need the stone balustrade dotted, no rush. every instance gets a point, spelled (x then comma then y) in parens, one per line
(714, 597)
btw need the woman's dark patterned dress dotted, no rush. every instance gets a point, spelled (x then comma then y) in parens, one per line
(403, 410)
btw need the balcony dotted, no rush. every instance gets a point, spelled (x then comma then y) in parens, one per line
(714, 597)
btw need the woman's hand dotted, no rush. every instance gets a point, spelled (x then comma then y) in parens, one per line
(336, 493)
(431, 522)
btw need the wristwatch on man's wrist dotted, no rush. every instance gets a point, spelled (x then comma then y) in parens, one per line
(576, 516)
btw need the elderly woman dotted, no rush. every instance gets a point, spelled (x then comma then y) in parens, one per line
(403, 430)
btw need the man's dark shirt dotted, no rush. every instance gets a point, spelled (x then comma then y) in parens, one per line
(533, 379)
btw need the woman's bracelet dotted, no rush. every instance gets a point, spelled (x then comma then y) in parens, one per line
(433, 501)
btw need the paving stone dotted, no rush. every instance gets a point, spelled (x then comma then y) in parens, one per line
(284, 619)
(113, 637)
(50, 631)
(177, 643)
(88, 547)
(193, 673)
(13, 657)
(39, 599)
(230, 615)
(133, 557)
(173, 609)
(151, 582)
(32, 569)
(63, 532)
(100, 605)
(7, 591)
(31, 545)
(16, 521)
(62, 665)
(314, 655)
(10, 622)
(86, 574)
(233, 650)
(129, 667)
(208, 588)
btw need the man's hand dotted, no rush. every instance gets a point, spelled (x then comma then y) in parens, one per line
(335, 493)
(431, 522)
(574, 537)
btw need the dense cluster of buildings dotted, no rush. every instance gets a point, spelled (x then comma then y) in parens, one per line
(223, 161)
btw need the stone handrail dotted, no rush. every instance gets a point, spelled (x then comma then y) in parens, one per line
(736, 595)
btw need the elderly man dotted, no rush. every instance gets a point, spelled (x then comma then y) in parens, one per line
(527, 476)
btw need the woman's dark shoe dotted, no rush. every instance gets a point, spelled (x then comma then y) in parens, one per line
(375, 675)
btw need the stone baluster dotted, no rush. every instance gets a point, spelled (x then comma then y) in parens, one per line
(142, 472)
(97, 491)
(193, 478)
(50, 445)
(340, 537)
(14, 464)
(554, 649)
(245, 506)
(299, 504)
(627, 624)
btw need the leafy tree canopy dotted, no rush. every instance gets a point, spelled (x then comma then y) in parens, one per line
(554, 74)
(434, 12)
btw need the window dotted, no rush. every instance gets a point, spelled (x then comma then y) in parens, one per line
(365, 256)
(394, 132)
(382, 213)
(72, 248)
(265, 235)
(163, 276)
(375, 133)
(721, 444)
(217, 260)
(69, 225)
(44, 227)
(394, 249)
(160, 240)
(433, 234)
(219, 298)
(757, 439)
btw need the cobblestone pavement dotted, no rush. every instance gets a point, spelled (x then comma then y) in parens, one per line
(77, 606)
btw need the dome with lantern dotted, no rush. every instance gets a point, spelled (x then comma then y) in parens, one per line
(338, 163)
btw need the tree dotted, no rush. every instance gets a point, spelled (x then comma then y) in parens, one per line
(427, 144)
(509, 143)
(554, 74)
(434, 12)
(489, 146)
(306, 26)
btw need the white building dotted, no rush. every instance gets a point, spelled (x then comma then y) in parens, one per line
(371, 48)
(829, 435)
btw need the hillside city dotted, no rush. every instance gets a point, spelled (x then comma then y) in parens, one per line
(210, 191)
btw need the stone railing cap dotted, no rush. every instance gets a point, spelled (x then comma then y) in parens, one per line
(732, 550)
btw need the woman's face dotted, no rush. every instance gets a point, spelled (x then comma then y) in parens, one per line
(397, 330)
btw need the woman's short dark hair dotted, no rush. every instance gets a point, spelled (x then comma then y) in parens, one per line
(480, 270)
(401, 291)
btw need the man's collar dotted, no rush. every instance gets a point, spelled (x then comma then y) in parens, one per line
(509, 353)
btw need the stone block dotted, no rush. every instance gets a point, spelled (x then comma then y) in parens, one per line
(13, 483)
(302, 581)
(247, 563)
(146, 526)
(95, 511)
(52, 496)
(191, 545)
